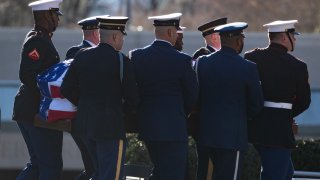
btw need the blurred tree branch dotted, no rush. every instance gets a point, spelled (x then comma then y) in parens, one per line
(195, 12)
(17, 12)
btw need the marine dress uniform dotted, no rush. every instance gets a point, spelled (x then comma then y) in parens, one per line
(89, 23)
(284, 80)
(44, 145)
(168, 90)
(207, 29)
(230, 94)
(93, 83)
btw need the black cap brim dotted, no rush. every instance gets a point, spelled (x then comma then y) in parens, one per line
(59, 13)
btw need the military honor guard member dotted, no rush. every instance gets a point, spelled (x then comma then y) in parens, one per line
(90, 33)
(211, 38)
(98, 81)
(168, 91)
(38, 53)
(284, 80)
(179, 42)
(230, 94)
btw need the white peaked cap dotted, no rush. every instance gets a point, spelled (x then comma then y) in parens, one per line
(45, 5)
(172, 16)
(280, 26)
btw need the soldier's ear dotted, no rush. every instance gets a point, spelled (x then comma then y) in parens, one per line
(96, 33)
(169, 32)
(283, 36)
(114, 37)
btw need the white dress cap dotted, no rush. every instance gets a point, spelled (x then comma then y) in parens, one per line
(172, 16)
(45, 5)
(166, 20)
(280, 26)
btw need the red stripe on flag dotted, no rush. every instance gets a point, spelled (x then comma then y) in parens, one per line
(55, 92)
(54, 115)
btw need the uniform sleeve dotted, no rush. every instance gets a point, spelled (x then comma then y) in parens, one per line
(199, 53)
(302, 99)
(190, 87)
(129, 86)
(32, 58)
(71, 52)
(70, 85)
(254, 92)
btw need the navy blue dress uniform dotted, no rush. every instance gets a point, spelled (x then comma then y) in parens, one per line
(38, 54)
(89, 23)
(207, 29)
(93, 83)
(284, 80)
(168, 90)
(230, 94)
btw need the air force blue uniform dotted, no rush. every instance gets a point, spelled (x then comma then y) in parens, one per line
(168, 90)
(230, 94)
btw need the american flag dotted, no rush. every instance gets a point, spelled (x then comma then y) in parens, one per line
(53, 105)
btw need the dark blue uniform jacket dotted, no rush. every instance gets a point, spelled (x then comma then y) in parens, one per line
(168, 91)
(230, 94)
(71, 53)
(93, 84)
(203, 51)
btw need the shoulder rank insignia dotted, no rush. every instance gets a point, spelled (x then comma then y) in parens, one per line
(34, 55)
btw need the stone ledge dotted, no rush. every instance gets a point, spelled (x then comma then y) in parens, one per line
(14, 154)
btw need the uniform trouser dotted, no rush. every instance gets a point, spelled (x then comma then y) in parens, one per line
(276, 163)
(203, 154)
(169, 159)
(45, 151)
(87, 162)
(228, 163)
(107, 157)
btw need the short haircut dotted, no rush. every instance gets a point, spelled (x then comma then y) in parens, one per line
(274, 36)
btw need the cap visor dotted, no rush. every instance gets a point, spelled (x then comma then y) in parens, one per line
(59, 13)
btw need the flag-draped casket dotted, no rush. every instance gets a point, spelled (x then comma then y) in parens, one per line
(53, 105)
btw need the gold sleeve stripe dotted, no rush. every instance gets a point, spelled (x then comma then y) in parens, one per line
(120, 152)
